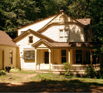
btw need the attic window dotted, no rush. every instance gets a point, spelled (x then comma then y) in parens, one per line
(30, 39)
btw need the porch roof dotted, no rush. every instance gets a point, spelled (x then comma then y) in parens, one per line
(67, 44)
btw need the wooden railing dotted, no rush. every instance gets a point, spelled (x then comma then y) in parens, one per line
(75, 66)
(83, 67)
(57, 67)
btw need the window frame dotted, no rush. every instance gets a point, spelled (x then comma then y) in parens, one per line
(64, 36)
(29, 39)
(11, 56)
(28, 56)
(81, 56)
(64, 55)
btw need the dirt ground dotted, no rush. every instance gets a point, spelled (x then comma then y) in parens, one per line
(23, 83)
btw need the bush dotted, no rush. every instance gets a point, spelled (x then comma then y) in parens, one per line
(99, 74)
(90, 72)
(67, 67)
(2, 72)
(15, 70)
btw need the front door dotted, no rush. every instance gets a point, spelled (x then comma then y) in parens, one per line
(1, 59)
(46, 58)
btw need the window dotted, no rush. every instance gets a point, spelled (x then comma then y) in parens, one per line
(30, 39)
(78, 56)
(11, 57)
(63, 35)
(29, 55)
(63, 56)
(87, 57)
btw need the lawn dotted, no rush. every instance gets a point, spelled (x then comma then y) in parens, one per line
(29, 81)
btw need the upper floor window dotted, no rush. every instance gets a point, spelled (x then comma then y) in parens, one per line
(63, 35)
(30, 39)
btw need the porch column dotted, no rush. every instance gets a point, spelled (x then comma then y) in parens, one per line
(49, 58)
(91, 57)
(35, 59)
(69, 56)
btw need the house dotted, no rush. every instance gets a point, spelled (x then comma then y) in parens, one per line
(48, 43)
(7, 51)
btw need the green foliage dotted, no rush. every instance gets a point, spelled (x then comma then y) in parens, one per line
(90, 72)
(99, 74)
(14, 70)
(45, 76)
(17, 70)
(67, 67)
(2, 72)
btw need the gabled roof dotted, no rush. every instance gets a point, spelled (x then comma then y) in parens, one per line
(6, 40)
(79, 22)
(37, 26)
(52, 21)
(43, 41)
(34, 33)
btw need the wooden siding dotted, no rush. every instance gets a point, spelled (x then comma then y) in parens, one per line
(76, 33)
(35, 26)
(6, 56)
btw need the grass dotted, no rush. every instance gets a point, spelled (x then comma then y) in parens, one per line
(16, 70)
(16, 75)
(31, 81)
(45, 76)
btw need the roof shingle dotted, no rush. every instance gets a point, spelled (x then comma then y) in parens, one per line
(6, 40)
(84, 21)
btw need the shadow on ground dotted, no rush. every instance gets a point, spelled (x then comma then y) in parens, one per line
(52, 86)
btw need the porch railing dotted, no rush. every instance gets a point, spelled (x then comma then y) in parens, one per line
(57, 67)
(75, 67)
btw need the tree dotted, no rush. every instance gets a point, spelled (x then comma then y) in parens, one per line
(14, 14)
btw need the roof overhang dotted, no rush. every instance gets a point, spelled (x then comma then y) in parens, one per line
(29, 31)
(79, 45)
(42, 43)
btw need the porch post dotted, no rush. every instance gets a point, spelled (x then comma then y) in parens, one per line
(91, 57)
(69, 56)
(35, 59)
(49, 58)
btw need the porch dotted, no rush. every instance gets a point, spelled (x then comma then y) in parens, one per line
(53, 59)
(51, 56)
(76, 69)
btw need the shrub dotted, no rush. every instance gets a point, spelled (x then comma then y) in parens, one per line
(99, 74)
(90, 72)
(14, 70)
(67, 67)
(2, 72)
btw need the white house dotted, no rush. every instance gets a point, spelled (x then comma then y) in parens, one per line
(48, 43)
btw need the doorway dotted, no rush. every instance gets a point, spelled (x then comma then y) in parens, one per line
(46, 57)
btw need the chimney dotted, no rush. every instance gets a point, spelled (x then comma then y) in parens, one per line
(84, 19)
(61, 11)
